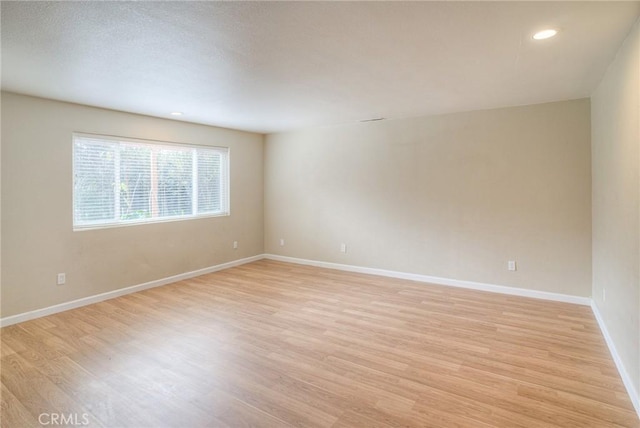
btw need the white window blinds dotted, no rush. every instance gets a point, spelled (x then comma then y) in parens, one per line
(120, 181)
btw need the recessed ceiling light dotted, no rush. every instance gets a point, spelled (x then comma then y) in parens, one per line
(176, 113)
(545, 34)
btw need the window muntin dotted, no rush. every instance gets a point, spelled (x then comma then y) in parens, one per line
(120, 181)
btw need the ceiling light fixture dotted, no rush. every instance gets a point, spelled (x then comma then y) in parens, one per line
(176, 113)
(545, 34)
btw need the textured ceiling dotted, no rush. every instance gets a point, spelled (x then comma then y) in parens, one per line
(275, 66)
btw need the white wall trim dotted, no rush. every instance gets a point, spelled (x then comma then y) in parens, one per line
(586, 301)
(633, 394)
(626, 379)
(502, 289)
(26, 316)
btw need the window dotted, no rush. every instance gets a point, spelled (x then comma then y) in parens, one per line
(121, 181)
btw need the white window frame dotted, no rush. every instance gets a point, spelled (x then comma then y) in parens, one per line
(224, 191)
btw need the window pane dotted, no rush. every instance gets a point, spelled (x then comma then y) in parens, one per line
(209, 182)
(94, 181)
(175, 175)
(135, 182)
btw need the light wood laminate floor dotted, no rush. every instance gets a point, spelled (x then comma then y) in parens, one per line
(271, 344)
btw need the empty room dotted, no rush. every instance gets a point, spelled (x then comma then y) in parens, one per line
(320, 214)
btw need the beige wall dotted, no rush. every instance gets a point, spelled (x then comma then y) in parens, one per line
(453, 196)
(38, 241)
(615, 113)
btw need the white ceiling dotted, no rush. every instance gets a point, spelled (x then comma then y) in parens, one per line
(275, 66)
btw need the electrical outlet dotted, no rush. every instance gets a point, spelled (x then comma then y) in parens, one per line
(235, 245)
(343, 248)
(511, 265)
(62, 278)
(282, 242)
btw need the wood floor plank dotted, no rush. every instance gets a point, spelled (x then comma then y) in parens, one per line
(12, 409)
(271, 344)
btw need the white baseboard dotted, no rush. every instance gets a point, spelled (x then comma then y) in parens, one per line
(633, 394)
(628, 384)
(586, 301)
(502, 289)
(26, 316)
